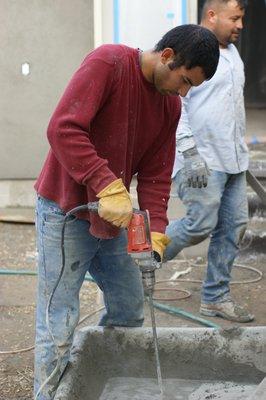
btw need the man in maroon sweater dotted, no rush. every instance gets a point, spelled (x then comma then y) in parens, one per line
(117, 117)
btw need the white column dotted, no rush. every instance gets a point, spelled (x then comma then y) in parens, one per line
(192, 7)
(97, 4)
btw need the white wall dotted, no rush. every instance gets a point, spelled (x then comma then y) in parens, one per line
(52, 37)
(143, 22)
(192, 11)
(140, 23)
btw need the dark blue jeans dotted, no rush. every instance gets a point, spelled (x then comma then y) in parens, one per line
(108, 263)
(219, 210)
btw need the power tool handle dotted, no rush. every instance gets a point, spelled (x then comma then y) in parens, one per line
(94, 206)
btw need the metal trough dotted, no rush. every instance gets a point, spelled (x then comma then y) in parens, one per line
(196, 358)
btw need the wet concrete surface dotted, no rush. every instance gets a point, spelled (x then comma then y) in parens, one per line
(174, 389)
(260, 392)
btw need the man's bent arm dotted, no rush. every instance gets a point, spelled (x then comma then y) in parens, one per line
(69, 128)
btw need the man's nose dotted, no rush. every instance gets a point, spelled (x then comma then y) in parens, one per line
(239, 24)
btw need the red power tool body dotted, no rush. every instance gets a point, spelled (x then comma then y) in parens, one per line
(140, 247)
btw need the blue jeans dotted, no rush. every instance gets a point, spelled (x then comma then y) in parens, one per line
(108, 263)
(219, 210)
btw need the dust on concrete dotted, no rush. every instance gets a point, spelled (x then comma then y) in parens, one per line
(17, 305)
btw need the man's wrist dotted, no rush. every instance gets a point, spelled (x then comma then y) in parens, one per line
(185, 143)
(190, 152)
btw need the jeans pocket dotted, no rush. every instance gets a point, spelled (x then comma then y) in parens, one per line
(52, 214)
(58, 218)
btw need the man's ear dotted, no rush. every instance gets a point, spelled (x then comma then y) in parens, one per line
(167, 55)
(212, 16)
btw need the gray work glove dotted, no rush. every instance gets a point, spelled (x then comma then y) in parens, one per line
(196, 170)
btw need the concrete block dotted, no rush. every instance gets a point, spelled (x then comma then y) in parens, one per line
(236, 355)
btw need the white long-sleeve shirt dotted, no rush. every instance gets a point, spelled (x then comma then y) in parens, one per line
(213, 116)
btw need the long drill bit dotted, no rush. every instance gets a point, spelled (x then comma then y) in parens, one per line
(155, 340)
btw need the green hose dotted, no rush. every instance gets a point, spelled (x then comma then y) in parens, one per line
(16, 272)
(185, 314)
(162, 307)
(33, 273)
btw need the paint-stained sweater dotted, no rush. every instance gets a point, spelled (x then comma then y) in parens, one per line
(111, 123)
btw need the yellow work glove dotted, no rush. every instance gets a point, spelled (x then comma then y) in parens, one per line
(115, 205)
(159, 242)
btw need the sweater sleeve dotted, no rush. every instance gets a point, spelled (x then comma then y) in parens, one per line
(154, 177)
(69, 128)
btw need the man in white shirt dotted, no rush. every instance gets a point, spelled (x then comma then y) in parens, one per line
(210, 165)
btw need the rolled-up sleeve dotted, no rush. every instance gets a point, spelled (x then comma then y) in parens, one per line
(184, 136)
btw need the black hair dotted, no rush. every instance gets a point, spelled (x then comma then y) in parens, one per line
(193, 46)
(209, 3)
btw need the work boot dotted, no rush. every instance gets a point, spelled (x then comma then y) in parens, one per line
(227, 310)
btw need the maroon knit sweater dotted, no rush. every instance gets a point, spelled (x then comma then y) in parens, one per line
(111, 123)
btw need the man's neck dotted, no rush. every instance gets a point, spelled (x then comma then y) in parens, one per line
(207, 26)
(147, 61)
(223, 46)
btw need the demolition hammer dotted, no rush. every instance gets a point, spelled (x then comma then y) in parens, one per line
(140, 249)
